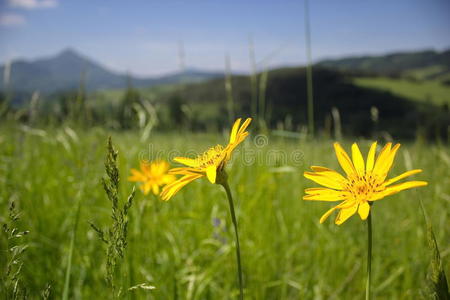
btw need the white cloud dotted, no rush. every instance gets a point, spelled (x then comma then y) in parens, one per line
(12, 20)
(33, 4)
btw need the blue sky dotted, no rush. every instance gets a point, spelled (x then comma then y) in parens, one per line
(142, 37)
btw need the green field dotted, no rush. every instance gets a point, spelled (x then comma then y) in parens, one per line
(185, 247)
(431, 91)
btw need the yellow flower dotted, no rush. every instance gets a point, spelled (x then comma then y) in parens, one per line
(364, 183)
(152, 176)
(209, 164)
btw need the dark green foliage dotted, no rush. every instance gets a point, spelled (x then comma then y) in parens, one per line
(127, 114)
(4, 105)
(286, 96)
(66, 103)
(11, 259)
(176, 114)
(72, 106)
(116, 235)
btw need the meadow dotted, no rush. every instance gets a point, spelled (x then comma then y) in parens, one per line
(431, 91)
(184, 247)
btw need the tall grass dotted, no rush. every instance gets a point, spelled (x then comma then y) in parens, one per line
(229, 89)
(288, 254)
(253, 78)
(309, 74)
(66, 290)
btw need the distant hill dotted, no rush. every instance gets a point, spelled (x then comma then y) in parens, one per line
(428, 64)
(65, 70)
(286, 100)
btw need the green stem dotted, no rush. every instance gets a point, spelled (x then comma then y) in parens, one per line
(238, 249)
(369, 254)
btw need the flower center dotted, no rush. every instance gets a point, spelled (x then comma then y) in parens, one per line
(210, 157)
(363, 187)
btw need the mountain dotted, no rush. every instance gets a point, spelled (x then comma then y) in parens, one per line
(431, 63)
(66, 70)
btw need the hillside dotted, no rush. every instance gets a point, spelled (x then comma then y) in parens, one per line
(420, 76)
(286, 100)
(424, 64)
(431, 91)
(65, 71)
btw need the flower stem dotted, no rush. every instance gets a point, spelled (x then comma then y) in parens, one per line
(369, 254)
(238, 249)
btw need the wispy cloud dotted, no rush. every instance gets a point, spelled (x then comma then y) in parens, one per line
(33, 4)
(10, 19)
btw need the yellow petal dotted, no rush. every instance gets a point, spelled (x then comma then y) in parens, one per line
(371, 157)
(239, 137)
(320, 169)
(228, 151)
(168, 179)
(401, 176)
(363, 210)
(337, 196)
(145, 166)
(171, 189)
(136, 176)
(393, 189)
(187, 161)
(386, 166)
(344, 204)
(159, 167)
(329, 179)
(244, 126)
(382, 157)
(155, 189)
(183, 171)
(211, 173)
(379, 195)
(358, 160)
(344, 160)
(345, 213)
(317, 190)
(327, 214)
(146, 188)
(234, 130)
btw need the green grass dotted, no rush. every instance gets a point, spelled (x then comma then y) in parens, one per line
(174, 245)
(432, 91)
(436, 71)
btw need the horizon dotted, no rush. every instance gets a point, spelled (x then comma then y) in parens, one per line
(144, 39)
(188, 68)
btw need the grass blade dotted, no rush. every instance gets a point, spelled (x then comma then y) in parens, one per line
(69, 260)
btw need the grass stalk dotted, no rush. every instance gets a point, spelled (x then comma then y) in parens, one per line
(229, 89)
(253, 78)
(437, 286)
(65, 295)
(309, 79)
(262, 98)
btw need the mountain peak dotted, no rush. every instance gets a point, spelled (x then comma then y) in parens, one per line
(69, 53)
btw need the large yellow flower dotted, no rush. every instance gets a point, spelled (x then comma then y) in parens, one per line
(152, 176)
(364, 183)
(208, 164)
